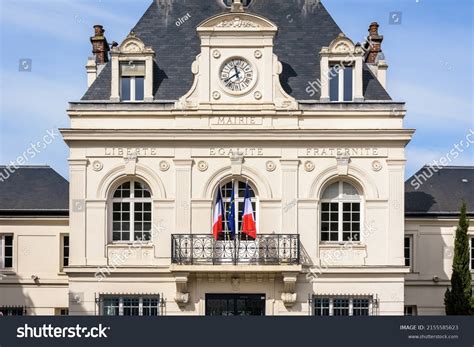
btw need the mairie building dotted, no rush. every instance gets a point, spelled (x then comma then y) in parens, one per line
(208, 98)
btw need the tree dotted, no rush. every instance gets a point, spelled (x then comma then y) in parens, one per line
(457, 300)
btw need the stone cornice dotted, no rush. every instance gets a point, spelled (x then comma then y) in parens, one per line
(209, 135)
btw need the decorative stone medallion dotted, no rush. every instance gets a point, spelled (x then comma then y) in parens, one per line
(164, 165)
(202, 166)
(258, 54)
(216, 54)
(309, 166)
(257, 95)
(376, 165)
(97, 165)
(216, 95)
(270, 166)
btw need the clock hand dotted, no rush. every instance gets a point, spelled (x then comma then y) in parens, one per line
(237, 73)
(225, 81)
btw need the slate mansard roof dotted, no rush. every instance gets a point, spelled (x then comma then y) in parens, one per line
(33, 191)
(304, 28)
(439, 194)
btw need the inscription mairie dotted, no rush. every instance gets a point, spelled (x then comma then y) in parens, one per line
(237, 120)
(342, 151)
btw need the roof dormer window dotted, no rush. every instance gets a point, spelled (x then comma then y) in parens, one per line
(341, 71)
(132, 81)
(132, 71)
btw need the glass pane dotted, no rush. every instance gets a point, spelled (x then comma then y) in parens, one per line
(139, 88)
(349, 192)
(125, 89)
(334, 84)
(348, 84)
(331, 192)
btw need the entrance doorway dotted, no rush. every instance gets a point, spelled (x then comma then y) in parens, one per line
(235, 304)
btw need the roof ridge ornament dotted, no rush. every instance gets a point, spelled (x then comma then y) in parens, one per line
(237, 6)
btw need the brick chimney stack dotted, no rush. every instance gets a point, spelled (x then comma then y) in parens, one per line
(100, 46)
(373, 44)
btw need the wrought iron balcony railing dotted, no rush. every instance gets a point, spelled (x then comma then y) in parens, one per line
(266, 249)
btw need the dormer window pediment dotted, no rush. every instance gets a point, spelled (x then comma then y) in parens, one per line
(132, 71)
(341, 71)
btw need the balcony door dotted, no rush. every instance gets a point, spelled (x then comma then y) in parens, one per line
(235, 304)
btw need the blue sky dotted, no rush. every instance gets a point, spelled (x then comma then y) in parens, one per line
(429, 52)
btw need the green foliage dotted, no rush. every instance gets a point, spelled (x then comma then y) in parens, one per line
(458, 299)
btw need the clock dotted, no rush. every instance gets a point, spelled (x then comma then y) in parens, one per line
(237, 75)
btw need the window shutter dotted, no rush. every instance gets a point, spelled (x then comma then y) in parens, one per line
(132, 68)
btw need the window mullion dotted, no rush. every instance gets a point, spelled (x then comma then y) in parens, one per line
(341, 83)
(132, 89)
(132, 211)
(2, 251)
(340, 206)
(140, 306)
(120, 306)
(351, 306)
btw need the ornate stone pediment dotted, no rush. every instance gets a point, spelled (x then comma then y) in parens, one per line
(236, 21)
(132, 45)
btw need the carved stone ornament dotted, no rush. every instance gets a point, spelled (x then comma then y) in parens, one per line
(376, 165)
(309, 166)
(216, 54)
(257, 95)
(288, 296)
(202, 166)
(164, 165)
(258, 54)
(237, 23)
(97, 165)
(270, 166)
(182, 294)
(216, 95)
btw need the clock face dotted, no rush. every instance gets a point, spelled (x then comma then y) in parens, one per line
(237, 75)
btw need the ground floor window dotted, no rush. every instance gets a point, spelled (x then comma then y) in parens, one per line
(12, 311)
(472, 253)
(410, 310)
(341, 306)
(130, 305)
(6, 251)
(62, 312)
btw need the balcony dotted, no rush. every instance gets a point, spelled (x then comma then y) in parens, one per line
(266, 249)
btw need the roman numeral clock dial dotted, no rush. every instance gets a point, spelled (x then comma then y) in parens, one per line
(237, 75)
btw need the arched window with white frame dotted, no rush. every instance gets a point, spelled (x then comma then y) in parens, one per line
(132, 212)
(238, 185)
(341, 208)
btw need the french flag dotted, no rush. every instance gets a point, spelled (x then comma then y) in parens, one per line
(217, 218)
(248, 220)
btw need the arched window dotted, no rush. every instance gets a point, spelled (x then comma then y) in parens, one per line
(340, 213)
(239, 195)
(131, 212)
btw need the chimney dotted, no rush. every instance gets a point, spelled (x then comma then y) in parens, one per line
(100, 46)
(374, 43)
(375, 58)
(100, 51)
